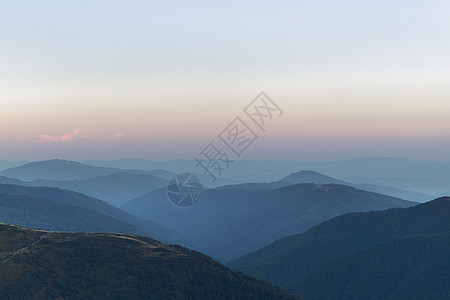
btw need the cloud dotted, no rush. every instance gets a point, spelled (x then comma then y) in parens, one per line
(70, 135)
(119, 134)
(45, 138)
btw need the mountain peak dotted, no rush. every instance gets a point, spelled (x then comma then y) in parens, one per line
(54, 162)
(56, 169)
(308, 176)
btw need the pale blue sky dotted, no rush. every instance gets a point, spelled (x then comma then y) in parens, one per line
(158, 79)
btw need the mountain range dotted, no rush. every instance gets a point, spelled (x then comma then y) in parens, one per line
(115, 186)
(233, 220)
(418, 185)
(315, 177)
(398, 253)
(313, 235)
(116, 189)
(366, 168)
(266, 211)
(56, 169)
(119, 186)
(56, 209)
(5, 164)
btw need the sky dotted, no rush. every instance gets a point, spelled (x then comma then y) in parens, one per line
(161, 79)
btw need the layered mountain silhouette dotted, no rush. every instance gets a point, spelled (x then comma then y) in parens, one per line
(114, 186)
(357, 170)
(53, 265)
(231, 221)
(56, 209)
(116, 189)
(315, 177)
(391, 254)
(305, 176)
(118, 186)
(312, 234)
(5, 164)
(7, 180)
(56, 169)
(420, 185)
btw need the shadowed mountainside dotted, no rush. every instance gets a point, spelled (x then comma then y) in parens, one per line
(43, 207)
(231, 221)
(115, 266)
(382, 255)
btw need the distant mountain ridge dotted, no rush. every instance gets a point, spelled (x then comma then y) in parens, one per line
(348, 252)
(116, 188)
(56, 169)
(234, 220)
(7, 180)
(271, 170)
(418, 185)
(41, 213)
(5, 164)
(305, 176)
(20, 202)
(99, 182)
(318, 178)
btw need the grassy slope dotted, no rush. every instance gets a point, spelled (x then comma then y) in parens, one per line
(117, 266)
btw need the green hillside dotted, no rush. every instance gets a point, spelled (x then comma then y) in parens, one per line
(115, 266)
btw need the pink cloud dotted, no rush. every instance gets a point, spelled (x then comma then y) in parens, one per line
(45, 138)
(70, 135)
(119, 134)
